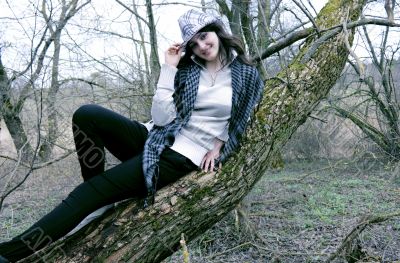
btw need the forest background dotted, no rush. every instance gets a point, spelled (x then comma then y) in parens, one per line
(339, 168)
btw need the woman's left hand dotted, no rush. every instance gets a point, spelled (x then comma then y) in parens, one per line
(208, 162)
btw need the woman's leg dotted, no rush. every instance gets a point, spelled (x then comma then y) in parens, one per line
(172, 166)
(96, 128)
(118, 183)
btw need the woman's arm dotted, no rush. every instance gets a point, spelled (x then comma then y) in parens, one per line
(163, 109)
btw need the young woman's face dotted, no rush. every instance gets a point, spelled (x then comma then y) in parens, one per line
(205, 45)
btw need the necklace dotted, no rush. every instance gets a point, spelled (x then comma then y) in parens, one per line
(214, 77)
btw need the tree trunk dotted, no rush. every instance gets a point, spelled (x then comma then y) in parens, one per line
(47, 146)
(154, 62)
(196, 202)
(11, 117)
(236, 14)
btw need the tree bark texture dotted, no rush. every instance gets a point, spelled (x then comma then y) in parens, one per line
(196, 202)
(11, 118)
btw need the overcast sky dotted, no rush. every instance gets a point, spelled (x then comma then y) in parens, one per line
(166, 18)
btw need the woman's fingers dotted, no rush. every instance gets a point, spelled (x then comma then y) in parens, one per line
(173, 54)
(208, 163)
(175, 48)
(202, 162)
(205, 163)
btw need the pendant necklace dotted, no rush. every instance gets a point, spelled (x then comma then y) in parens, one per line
(214, 78)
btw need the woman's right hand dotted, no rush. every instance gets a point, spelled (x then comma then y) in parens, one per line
(173, 54)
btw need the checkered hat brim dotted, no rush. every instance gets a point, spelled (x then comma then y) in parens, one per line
(192, 22)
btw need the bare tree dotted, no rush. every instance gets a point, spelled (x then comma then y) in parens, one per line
(197, 201)
(10, 109)
(68, 10)
(372, 98)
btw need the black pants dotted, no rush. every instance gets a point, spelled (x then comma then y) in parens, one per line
(96, 128)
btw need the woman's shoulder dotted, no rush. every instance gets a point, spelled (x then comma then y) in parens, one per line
(245, 68)
(184, 72)
(184, 69)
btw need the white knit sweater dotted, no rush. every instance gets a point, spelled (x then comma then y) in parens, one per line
(210, 116)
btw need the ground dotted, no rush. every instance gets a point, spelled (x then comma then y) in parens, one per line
(300, 213)
(303, 212)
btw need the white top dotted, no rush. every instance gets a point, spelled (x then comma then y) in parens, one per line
(210, 116)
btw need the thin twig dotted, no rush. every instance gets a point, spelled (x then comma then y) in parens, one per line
(41, 165)
(307, 13)
(359, 228)
(318, 119)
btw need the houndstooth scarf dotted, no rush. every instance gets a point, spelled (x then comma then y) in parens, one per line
(247, 88)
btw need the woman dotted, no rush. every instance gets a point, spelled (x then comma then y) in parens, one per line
(200, 110)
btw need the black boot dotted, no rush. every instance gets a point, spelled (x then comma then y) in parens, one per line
(3, 260)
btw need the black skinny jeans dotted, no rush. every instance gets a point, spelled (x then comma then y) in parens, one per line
(96, 128)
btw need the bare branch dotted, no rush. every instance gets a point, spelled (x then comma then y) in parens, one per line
(364, 222)
(307, 13)
(133, 12)
(273, 11)
(311, 51)
(360, 66)
(312, 6)
(371, 47)
(119, 35)
(296, 36)
(40, 165)
(283, 43)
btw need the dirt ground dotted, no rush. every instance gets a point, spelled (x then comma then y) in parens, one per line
(300, 213)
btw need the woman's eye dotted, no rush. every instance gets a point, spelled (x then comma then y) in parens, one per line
(192, 45)
(203, 36)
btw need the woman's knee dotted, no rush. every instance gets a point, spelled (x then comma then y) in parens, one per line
(86, 112)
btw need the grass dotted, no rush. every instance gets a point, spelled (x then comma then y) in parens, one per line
(303, 216)
(301, 213)
(41, 192)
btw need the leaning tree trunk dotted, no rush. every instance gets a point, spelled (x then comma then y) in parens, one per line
(196, 202)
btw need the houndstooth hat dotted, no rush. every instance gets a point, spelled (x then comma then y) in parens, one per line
(191, 22)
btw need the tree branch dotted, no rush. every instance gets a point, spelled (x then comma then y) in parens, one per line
(133, 12)
(364, 222)
(302, 34)
(307, 13)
